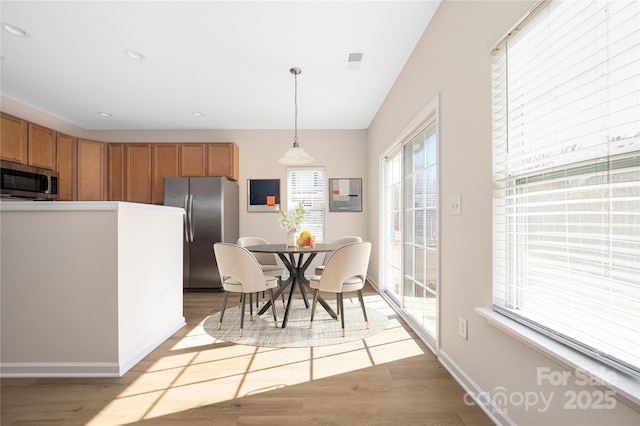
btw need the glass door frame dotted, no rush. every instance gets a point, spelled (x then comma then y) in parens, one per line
(430, 114)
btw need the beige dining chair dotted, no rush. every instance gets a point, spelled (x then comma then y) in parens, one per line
(268, 261)
(340, 241)
(241, 273)
(345, 271)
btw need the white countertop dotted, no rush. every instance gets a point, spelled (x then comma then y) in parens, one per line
(12, 206)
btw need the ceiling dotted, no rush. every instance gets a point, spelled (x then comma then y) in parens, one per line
(228, 60)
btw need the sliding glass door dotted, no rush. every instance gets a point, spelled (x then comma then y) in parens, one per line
(410, 227)
(392, 226)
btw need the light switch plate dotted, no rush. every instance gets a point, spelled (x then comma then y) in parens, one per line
(456, 205)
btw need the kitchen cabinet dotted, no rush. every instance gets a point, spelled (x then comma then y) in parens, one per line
(41, 147)
(13, 139)
(193, 159)
(91, 170)
(223, 159)
(66, 166)
(137, 177)
(165, 163)
(115, 172)
(91, 173)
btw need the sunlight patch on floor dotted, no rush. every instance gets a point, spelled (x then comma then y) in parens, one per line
(205, 371)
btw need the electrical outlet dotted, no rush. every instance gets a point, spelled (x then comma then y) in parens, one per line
(456, 205)
(462, 328)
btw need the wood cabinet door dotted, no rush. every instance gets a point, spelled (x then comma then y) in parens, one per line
(165, 164)
(91, 170)
(137, 178)
(41, 147)
(193, 159)
(13, 139)
(223, 160)
(115, 172)
(66, 166)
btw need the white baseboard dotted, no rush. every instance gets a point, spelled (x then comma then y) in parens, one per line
(134, 358)
(86, 369)
(491, 409)
(59, 369)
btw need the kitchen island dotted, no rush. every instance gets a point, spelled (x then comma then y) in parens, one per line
(87, 289)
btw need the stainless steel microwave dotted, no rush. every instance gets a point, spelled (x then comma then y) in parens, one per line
(19, 180)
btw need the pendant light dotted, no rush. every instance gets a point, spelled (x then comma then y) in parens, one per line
(296, 155)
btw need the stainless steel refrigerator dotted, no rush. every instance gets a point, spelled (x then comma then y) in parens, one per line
(212, 215)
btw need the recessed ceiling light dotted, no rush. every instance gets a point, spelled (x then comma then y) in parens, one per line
(14, 30)
(133, 54)
(198, 114)
(104, 114)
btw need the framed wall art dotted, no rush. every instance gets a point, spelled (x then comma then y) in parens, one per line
(263, 195)
(345, 195)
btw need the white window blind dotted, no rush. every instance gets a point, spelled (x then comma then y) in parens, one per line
(307, 184)
(566, 244)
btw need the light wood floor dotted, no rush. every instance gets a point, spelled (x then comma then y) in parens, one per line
(388, 379)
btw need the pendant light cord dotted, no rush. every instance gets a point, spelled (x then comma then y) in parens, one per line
(295, 72)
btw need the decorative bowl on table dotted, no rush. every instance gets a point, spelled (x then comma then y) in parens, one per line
(306, 240)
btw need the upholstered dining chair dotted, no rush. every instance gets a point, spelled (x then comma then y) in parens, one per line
(268, 261)
(340, 241)
(345, 271)
(241, 273)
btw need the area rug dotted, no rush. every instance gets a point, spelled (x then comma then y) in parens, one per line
(297, 334)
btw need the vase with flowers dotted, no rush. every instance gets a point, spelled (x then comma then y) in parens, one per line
(292, 222)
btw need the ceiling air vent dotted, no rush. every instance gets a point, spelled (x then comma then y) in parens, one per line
(354, 59)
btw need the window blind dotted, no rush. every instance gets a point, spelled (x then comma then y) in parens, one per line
(308, 184)
(566, 149)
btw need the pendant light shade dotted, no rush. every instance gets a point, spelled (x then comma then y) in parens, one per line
(296, 155)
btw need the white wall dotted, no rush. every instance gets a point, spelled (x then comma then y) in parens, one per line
(452, 60)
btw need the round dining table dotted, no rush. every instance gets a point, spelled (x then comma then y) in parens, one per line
(296, 259)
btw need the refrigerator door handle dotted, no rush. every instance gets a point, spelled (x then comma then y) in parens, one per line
(186, 218)
(191, 217)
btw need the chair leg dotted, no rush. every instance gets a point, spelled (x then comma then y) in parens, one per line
(273, 308)
(364, 311)
(242, 303)
(341, 304)
(224, 306)
(313, 306)
(251, 305)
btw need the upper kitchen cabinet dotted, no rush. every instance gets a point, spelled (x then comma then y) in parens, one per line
(223, 160)
(115, 172)
(41, 147)
(66, 166)
(91, 170)
(137, 178)
(13, 139)
(165, 164)
(193, 159)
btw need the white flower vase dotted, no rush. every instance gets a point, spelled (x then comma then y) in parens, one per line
(291, 238)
